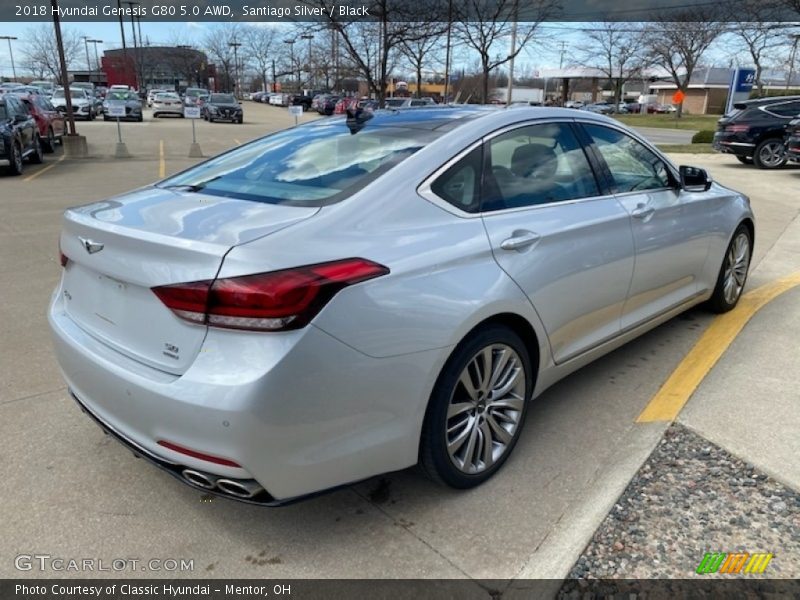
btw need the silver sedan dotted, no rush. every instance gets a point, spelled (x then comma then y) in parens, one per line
(357, 295)
(167, 103)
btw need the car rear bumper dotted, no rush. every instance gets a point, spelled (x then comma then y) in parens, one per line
(728, 145)
(793, 148)
(299, 412)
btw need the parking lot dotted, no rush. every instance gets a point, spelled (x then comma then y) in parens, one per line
(72, 492)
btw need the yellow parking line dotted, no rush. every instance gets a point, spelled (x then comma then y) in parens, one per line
(238, 143)
(162, 164)
(45, 169)
(683, 381)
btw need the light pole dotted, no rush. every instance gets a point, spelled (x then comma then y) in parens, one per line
(291, 54)
(792, 57)
(236, 86)
(85, 39)
(131, 4)
(10, 53)
(309, 37)
(96, 57)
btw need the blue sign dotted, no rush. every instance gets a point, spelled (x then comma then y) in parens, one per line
(742, 81)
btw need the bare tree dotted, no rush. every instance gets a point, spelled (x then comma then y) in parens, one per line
(40, 54)
(484, 25)
(217, 43)
(615, 49)
(419, 50)
(678, 40)
(755, 24)
(261, 44)
(372, 46)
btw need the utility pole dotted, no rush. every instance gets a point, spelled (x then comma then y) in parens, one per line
(131, 4)
(63, 64)
(447, 51)
(96, 57)
(291, 54)
(309, 37)
(511, 54)
(563, 45)
(9, 38)
(85, 39)
(792, 59)
(237, 85)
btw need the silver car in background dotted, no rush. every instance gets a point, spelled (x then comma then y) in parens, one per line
(362, 294)
(167, 103)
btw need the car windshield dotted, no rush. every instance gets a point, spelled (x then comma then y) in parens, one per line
(195, 92)
(304, 166)
(222, 99)
(73, 94)
(121, 96)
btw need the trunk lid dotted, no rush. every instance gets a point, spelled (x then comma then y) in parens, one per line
(121, 248)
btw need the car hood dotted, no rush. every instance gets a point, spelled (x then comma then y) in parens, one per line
(130, 103)
(222, 105)
(193, 216)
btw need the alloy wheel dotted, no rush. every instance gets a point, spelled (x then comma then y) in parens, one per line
(771, 154)
(485, 409)
(736, 265)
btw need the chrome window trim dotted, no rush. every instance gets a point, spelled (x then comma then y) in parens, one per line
(425, 188)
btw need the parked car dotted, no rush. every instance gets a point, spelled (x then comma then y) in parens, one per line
(128, 100)
(194, 96)
(368, 104)
(167, 103)
(792, 144)
(407, 102)
(303, 100)
(82, 104)
(152, 94)
(256, 96)
(327, 104)
(345, 103)
(19, 136)
(573, 104)
(49, 121)
(119, 87)
(47, 87)
(601, 108)
(223, 107)
(252, 326)
(754, 130)
(279, 99)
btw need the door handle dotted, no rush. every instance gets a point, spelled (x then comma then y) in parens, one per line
(642, 211)
(520, 239)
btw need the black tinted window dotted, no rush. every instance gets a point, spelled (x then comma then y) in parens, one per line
(537, 164)
(788, 109)
(460, 184)
(3, 112)
(633, 166)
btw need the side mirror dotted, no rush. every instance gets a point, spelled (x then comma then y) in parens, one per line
(694, 179)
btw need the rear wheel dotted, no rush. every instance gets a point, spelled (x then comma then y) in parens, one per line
(477, 408)
(37, 156)
(745, 160)
(15, 165)
(733, 272)
(50, 142)
(770, 154)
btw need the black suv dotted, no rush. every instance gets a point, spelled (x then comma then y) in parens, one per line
(754, 131)
(19, 136)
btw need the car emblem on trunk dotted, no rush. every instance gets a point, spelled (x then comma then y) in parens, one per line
(91, 246)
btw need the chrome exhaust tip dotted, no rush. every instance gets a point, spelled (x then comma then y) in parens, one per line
(198, 479)
(240, 489)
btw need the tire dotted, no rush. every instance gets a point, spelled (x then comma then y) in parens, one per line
(37, 156)
(745, 160)
(733, 272)
(210, 120)
(15, 164)
(452, 448)
(140, 119)
(49, 145)
(770, 154)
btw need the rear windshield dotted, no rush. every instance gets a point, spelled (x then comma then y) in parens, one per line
(222, 99)
(167, 97)
(304, 166)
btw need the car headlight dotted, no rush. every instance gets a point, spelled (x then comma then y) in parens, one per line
(212, 109)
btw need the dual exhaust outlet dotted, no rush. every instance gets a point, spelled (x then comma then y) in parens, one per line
(239, 488)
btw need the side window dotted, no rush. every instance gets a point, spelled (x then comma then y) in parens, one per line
(786, 109)
(460, 184)
(632, 165)
(536, 164)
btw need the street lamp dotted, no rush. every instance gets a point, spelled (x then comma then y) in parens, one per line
(131, 4)
(236, 86)
(11, 53)
(309, 37)
(96, 57)
(291, 53)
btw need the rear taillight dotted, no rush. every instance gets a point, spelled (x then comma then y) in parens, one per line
(737, 128)
(275, 301)
(61, 256)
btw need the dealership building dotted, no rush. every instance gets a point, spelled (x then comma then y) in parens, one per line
(163, 67)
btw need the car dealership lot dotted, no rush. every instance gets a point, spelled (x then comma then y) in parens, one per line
(75, 493)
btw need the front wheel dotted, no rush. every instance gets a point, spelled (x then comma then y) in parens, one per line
(770, 154)
(477, 408)
(733, 272)
(50, 143)
(15, 165)
(37, 156)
